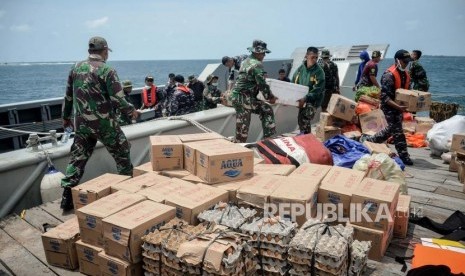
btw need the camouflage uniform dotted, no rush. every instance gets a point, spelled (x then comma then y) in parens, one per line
(419, 78)
(181, 101)
(211, 97)
(244, 99)
(394, 117)
(314, 78)
(331, 80)
(237, 65)
(93, 91)
(168, 92)
(124, 119)
(197, 87)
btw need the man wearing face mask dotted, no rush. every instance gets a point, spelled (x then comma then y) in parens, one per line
(152, 97)
(93, 91)
(212, 95)
(198, 88)
(250, 82)
(182, 99)
(393, 78)
(312, 75)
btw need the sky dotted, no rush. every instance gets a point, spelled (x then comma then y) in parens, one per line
(59, 30)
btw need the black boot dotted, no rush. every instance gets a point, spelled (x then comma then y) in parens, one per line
(407, 161)
(67, 200)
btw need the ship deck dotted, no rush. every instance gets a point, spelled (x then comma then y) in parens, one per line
(435, 191)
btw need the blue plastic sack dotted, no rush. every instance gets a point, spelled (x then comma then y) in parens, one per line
(399, 162)
(345, 151)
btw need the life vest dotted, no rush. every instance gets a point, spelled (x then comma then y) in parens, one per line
(184, 89)
(398, 79)
(153, 96)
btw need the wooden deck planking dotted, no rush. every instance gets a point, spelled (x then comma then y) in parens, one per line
(435, 191)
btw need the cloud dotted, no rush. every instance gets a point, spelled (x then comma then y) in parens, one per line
(93, 24)
(2, 13)
(412, 25)
(20, 28)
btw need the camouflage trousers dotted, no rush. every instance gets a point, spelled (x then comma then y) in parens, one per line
(394, 128)
(305, 117)
(245, 106)
(83, 146)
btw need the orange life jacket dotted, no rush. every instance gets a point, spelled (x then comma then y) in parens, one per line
(184, 89)
(153, 96)
(398, 79)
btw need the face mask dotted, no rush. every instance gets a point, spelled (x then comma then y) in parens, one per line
(215, 84)
(177, 83)
(148, 87)
(399, 66)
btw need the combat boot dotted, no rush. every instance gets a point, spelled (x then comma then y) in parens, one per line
(407, 161)
(67, 200)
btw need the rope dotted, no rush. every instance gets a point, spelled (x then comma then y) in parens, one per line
(27, 132)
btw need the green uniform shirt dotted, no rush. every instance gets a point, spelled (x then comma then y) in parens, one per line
(251, 79)
(314, 78)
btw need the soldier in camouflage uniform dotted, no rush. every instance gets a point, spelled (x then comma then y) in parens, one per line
(417, 73)
(233, 64)
(93, 91)
(393, 78)
(244, 94)
(211, 94)
(197, 87)
(309, 74)
(331, 78)
(182, 99)
(123, 119)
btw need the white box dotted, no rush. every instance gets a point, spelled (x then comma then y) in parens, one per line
(286, 92)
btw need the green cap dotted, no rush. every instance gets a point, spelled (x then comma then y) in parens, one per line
(127, 84)
(98, 43)
(325, 53)
(259, 47)
(210, 78)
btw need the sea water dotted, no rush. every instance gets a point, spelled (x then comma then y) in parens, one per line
(33, 81)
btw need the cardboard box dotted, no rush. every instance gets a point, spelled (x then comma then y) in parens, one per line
(286, 92)
(160, 192)
(311, 171)
(424, 124)
(458, 143)
(222, 164)
(460, 159)
(191, 202)
(90, 216)
(300, 195)
(188, 138)
(377, 148)
(327, 119)
(123, 231)
(59, 244)
(402, 216)
(276, 169)
(379, 199)
(326, 133)
(138, 183)
(453, 166)
(114, 266)
(175, 173)
(193, 179)
(231, 188)
(256, 191)
(166, 152)
(414, 100)
(342, 107)
(379, 240)
(409, 126)
(373, 121)
(190, 151)
(338, 186)
(354, 135)
(258, 161)
(144, 168)
(88, 258)
(94, 189)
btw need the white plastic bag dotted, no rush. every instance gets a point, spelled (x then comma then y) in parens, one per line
(440, 135)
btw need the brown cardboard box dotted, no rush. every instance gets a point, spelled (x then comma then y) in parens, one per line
(144, 168)
(276, 169)
(232, 187)
(460, 159)
(191, 202)
(257, 190)
(122, 231)
(414, 100)
(402, 216)
(379, 198)
(175, 173)
(88, 258)
(338, 186)
(377, 148)
(167, 153)
(59, 244)
(327, 119)
(90, 216)
(160, 192)
(379, 240)
(112, 266)
(424, 124)
(190, 149)
(372, 121)
(326, 133)
(453, 166)
(193, 179)
(223, 163)
(258, 161)
(458, 143)
(409, 126)
(301, 193)
(311, 171)
(342, 107)
(94, 189)
(354, 135)
(138, 183)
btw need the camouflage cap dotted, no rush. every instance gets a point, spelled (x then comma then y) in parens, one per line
(127, 84)
(191, 77)
(376, 54)
(210, 78)
(258, 47)
(98, 43)
(325, 53)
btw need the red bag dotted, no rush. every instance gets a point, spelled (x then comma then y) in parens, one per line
(294, 150)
